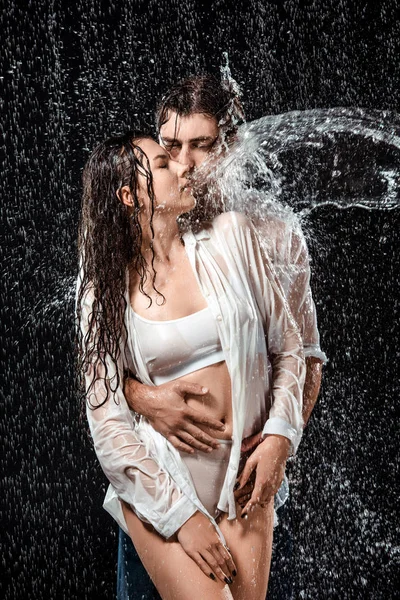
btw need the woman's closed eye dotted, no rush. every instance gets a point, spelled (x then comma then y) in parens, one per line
(163, 163)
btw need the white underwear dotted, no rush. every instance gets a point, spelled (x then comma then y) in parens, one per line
(208, 472)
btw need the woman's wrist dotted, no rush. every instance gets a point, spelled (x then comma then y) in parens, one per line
(194, 520)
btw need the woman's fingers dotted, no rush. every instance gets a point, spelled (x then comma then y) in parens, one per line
(251, 442)
(246, 489)
(220, 570)
(242, 501)
(201, 542)
(227, 559)
(203, 565)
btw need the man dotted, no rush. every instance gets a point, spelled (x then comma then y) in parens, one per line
(198, 117)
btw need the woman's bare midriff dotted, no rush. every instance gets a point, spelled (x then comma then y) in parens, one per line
(217, 403)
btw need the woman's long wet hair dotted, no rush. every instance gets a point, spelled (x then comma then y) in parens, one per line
(110, 240)
(207, 95)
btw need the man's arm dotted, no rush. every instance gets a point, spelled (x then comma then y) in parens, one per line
(311, 386)
(292, 263)
(284, 242)
(165, 408)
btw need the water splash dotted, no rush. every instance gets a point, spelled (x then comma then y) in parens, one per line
(306, 160)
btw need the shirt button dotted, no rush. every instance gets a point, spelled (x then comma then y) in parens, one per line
(226, 349)
(219, 318)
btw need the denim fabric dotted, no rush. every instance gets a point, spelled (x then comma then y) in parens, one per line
(281, 584)
(133, 582)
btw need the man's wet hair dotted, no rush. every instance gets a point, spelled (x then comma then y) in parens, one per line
(207, 95)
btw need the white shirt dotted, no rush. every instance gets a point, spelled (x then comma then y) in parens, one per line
(264, 356)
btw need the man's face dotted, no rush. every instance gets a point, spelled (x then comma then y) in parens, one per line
(189, 140)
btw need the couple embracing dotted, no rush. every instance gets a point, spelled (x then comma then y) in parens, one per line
(198, 348)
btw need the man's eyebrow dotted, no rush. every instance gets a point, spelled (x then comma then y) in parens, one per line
(202, 138)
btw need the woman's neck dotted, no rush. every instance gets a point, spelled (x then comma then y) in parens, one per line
(166, 241)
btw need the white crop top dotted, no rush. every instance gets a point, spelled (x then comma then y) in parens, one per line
(175, 348)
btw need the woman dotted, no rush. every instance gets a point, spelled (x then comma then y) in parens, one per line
(202, 306)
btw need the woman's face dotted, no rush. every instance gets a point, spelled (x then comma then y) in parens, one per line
(170, 184)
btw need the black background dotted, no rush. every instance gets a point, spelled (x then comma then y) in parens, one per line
(74, 73)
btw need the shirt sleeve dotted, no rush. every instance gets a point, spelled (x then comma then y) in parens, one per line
(286, 246)
(283, 340)
(129, 461)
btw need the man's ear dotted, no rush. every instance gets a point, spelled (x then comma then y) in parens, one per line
(124, 195)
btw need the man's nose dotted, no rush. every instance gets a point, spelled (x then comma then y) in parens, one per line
(183, 170)
(185, 157)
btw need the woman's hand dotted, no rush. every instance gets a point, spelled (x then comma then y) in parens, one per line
(200, 540)
(268, 461)
(165, 408)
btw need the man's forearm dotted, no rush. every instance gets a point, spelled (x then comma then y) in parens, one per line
(138, 396)
(311, 386)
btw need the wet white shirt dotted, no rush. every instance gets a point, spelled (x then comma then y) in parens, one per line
(284, 242)
(264, 355)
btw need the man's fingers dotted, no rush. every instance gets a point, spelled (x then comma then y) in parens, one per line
(245, 490)
(191, 441)
(198, 418)
(247, 471)
(185, 387)
(261, 495)
(180, 445)
(201, 436)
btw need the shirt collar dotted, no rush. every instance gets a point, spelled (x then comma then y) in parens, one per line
(192, 238)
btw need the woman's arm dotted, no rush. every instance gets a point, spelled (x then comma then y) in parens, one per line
(128, 462)
(131, 466)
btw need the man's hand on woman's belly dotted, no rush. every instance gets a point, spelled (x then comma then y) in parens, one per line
(217, 402)
(165, 407)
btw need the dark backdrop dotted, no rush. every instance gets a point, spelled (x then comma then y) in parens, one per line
(74, 73)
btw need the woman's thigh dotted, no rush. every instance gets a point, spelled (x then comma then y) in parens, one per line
(250, 542)
(175, 575)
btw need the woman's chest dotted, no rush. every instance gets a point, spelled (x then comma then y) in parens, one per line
(173, 294)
